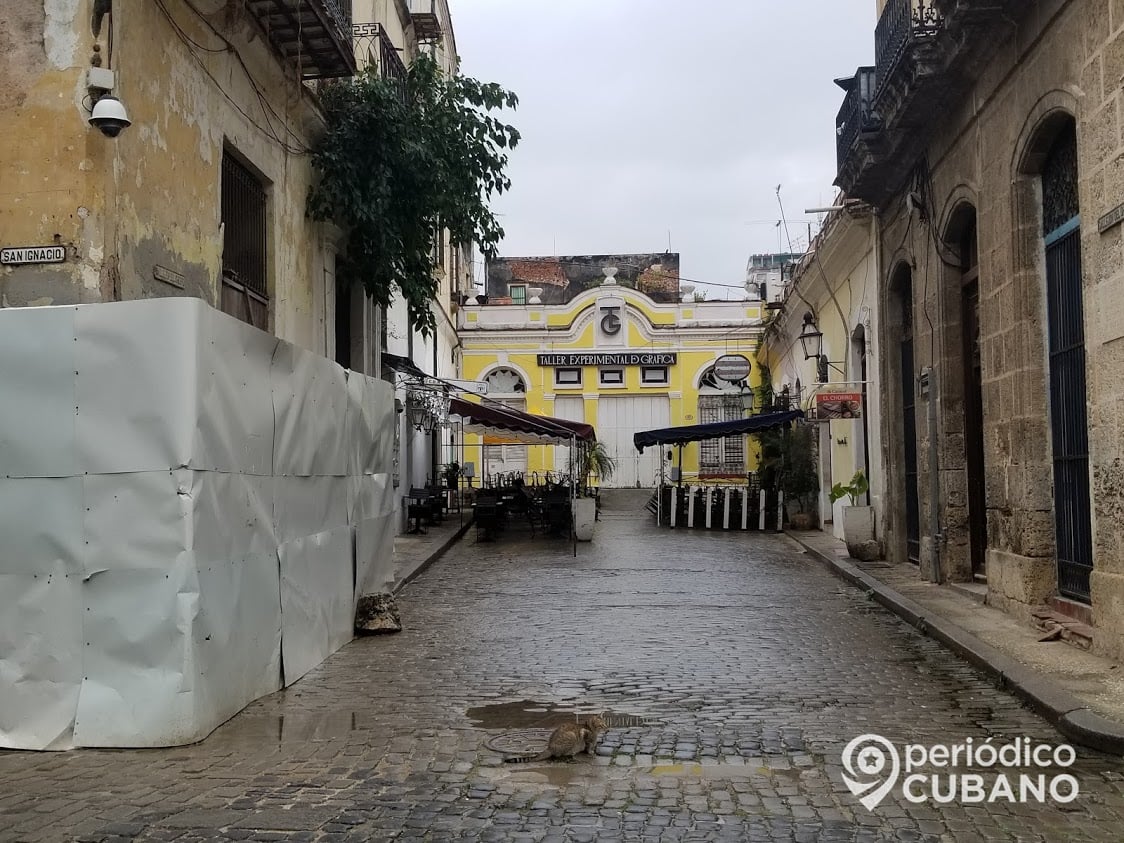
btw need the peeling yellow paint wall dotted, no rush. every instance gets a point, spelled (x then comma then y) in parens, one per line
(50, 186)
(141, 213)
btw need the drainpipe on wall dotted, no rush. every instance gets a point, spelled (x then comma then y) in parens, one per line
(929, 378)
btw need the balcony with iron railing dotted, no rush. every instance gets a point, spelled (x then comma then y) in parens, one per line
(856, 118)
(374, 48)
(314, 35)
(903, 26)
(928, 55)
(430, 19)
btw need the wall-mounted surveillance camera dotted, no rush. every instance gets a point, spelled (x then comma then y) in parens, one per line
(109, 116)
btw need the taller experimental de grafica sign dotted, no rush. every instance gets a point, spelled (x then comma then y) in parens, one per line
(648, 358)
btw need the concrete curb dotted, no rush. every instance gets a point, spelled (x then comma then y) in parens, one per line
(1062, 709)
(433, 557)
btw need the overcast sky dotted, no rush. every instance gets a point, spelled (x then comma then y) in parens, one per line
(644, 117)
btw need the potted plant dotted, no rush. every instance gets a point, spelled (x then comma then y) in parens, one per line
(452, 474)
(858, 521)
(593, 459)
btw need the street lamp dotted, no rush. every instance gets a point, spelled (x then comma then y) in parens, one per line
(811, 338)
(415, 407)
(746, 396)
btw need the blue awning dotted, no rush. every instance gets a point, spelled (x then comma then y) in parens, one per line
(716, 430)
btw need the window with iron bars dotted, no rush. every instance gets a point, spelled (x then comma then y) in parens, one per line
(725, 455)
(244, 294)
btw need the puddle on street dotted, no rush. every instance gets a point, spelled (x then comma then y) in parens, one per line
(525, 714)
(719, 771)
(530, 714)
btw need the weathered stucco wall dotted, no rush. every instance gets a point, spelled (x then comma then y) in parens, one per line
(51, 163)
(141, 213)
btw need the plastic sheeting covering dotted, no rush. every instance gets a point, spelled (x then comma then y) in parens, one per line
(189, 510)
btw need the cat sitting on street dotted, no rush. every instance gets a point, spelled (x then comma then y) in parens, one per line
(568, 740)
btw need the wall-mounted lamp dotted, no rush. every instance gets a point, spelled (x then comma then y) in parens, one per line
(416, 411)
(746, 396)
(811, 340)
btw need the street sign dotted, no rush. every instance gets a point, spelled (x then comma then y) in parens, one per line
(732, 367)
(839, 405)
(32, 254)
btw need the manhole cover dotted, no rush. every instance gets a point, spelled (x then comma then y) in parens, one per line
(519, 742)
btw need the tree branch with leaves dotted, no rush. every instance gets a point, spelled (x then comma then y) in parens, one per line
(400, 163)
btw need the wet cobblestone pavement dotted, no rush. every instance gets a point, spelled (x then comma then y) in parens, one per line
(734, 667)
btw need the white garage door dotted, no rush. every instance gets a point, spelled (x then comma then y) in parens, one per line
(570, 408)
(618, 418)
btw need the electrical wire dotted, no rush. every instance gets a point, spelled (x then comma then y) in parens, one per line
(267, 109)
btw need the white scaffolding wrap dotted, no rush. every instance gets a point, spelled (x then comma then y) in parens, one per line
(189, 510)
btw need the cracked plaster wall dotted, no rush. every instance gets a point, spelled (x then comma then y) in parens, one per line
(143, 209)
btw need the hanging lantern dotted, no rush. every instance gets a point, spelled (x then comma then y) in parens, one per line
(811, 338)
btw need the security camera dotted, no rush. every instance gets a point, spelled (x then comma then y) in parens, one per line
(109, 116)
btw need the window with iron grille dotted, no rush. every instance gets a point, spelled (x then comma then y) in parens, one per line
(518, 293)
(245, 294)
(725, 455)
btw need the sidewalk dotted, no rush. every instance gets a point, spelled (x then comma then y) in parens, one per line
(1080, 693)
(413, 553)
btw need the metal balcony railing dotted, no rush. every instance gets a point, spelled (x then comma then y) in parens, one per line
(374, 48)
(903, 23)
(856, 114)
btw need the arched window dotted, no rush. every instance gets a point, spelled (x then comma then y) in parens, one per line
(1061, 230)
(720, 401)
(507, 387)
(505, 382)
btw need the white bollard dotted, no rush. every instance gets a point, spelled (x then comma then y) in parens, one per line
(745, 509)
(726, 513)
(709, 503)
(674, 504)
(690, 506)
(761, 513)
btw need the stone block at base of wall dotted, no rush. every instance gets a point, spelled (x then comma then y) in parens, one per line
(1108, 614)
(1015, 579)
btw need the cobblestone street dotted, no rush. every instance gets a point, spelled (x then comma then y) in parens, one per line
(735, 666)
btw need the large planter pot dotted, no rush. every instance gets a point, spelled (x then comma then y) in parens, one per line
(858, 532)
(585, 514)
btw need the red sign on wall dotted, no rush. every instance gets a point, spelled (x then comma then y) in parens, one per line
(839, 405)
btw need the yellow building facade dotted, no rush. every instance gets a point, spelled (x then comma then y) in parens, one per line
(614, 358)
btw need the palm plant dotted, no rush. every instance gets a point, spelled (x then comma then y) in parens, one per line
(595, 459)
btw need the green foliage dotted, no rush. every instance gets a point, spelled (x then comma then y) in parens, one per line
(857, 486)
(788, 462)
(397, 165)
(595, 459)
(801, 481)
(764, 397)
